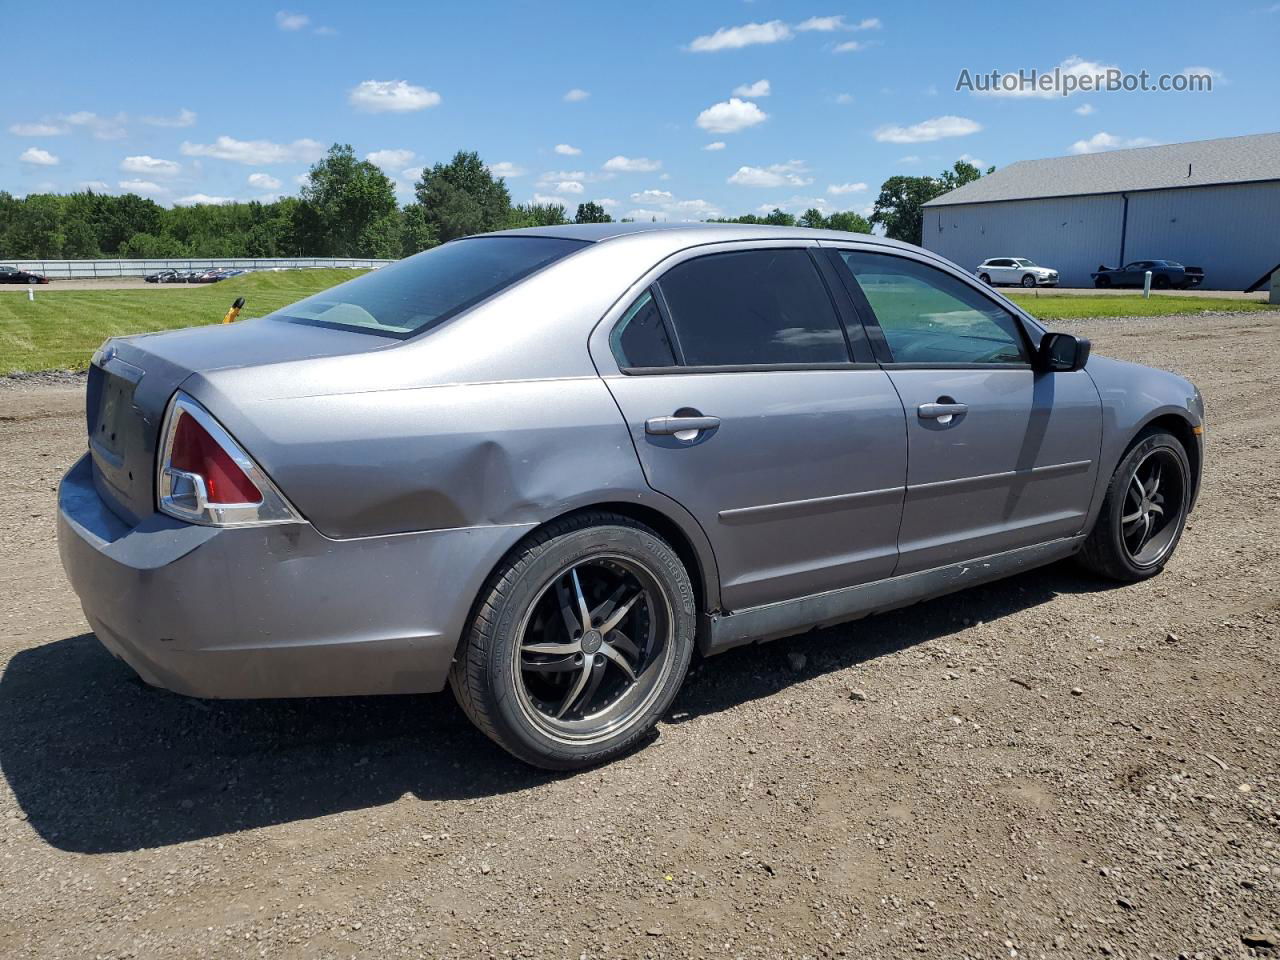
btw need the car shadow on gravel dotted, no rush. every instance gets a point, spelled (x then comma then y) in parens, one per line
(99, 762)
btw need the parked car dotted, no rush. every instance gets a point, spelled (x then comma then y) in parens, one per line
(1016, 270)
(164, 276)
(543, 466)
(14, 275)
(1164, 274)
(208, 276)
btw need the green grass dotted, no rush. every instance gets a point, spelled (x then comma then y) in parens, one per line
(1049, 306)
(62, 328)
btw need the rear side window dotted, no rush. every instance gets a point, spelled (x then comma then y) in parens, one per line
(751, 308)
(640, 339)
(413, 295)
(929, 316)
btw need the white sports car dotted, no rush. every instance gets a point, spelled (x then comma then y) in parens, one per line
(1016, 270)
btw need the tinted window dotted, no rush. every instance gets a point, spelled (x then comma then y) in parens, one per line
(640, 338)
(931, 317)
(753, 307)
(413, 295)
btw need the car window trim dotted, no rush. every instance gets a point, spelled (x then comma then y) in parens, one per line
(854, 362)
(875, 333)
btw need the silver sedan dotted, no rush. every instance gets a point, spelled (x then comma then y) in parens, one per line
(545, 466)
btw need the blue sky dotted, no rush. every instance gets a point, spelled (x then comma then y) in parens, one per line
(815, 103)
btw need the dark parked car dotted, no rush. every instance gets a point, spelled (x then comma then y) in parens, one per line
(1164, 275)
(14, 275)
(164, 276)
(543, 466)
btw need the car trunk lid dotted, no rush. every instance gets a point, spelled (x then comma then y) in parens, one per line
(131, 381)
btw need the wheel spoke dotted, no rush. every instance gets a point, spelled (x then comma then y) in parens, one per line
(1135, 489)
(593, 684)
(558, 665)
(607, 605)
(1153, 481)
(619, 660)
(566, 609)
(583, 610)
(578, 686)
(552, 649)
(1156, 508)
(1131, 518)
(618, 614)
(622, 643)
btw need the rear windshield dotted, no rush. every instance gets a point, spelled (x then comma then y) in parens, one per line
(413, 295)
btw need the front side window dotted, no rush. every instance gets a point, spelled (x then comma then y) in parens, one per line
(929, 316)
(413, 295)
(753, 307)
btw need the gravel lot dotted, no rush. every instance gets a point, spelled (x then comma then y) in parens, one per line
(1049, 766)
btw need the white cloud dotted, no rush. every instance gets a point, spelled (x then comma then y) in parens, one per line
(145, 188)
(652, 196)
(576, 95)
(844, 98)
(570, 186)
(621, 164)
(263, 181)
(184, 118)
(103, 128)
(693, 209)
(732, 38)
(714, 145)
(37, 157)
(547, 200)
(1085, 109)
(566, 150)
(607, 202)
(1105, 141)
(150, 165)
(823, 24)
(391, 96)
(197, 198)
(301, 179)
(506, 168)
(37, 130)
(830, 24)
(291, 21)
(758, 89)
(850, 46)
(390, 159)
(641, 215)
(837, 189)
(1072, 66)
(730, 116)
(256, 152)
(97, 186)
(970, 158)
(935, 128)
(776, 175)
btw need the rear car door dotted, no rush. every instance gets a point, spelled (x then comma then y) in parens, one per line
(1000, 455)
(751, 405)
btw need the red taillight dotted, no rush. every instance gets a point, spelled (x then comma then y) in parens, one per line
(194, 451)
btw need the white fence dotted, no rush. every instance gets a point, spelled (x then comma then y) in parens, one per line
(69, 269)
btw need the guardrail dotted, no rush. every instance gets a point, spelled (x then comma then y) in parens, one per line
(87, 269)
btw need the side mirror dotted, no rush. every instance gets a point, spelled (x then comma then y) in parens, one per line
(1063, 352)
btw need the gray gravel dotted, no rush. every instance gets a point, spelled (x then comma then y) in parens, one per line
(1046, 767)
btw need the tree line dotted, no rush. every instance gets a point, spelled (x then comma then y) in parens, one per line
(347, 208)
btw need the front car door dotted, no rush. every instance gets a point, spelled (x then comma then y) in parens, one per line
(1000, 455)
(1004, 271)
(753, 400)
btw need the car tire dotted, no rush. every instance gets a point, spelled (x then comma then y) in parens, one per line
(986, 278)
(555, 695)
(1101, 282)
(1140, 524)
(1028, 280)
(1160, 283)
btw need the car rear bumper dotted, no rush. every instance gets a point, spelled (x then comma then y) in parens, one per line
(275, 611)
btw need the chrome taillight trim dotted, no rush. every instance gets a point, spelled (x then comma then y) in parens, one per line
(272, 509)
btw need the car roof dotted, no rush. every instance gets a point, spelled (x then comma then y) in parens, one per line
(683, 235)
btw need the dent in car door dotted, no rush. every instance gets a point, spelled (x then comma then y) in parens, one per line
(795, 468)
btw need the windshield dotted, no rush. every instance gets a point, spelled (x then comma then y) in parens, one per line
(413, 295)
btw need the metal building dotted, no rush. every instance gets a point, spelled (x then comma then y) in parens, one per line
(1212, 203)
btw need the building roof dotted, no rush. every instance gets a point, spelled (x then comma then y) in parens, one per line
(1197, 164)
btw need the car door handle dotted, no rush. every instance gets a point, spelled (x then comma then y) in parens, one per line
(941, 411)
(670, 426)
